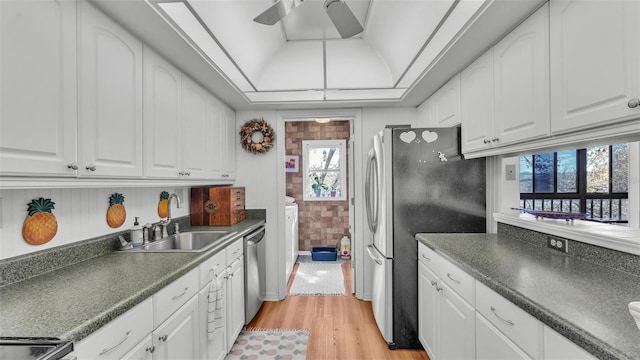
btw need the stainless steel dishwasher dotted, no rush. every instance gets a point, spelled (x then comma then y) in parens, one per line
(254, 272)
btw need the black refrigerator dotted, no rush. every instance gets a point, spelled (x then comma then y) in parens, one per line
(417, 181)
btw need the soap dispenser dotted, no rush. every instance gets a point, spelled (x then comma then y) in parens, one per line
(136, 234)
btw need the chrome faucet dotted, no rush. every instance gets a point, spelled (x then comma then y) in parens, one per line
(166, 222)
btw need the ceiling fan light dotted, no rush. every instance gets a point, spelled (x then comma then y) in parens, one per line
(323, 120)
(277, 11)
(343, 18)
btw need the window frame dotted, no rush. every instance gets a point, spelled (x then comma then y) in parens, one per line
(581, 195)
(306, 183)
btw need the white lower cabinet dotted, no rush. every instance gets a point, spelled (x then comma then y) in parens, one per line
(177, 338)
(558, 347)
(446, 326)
(143, 351)
(456, 322)
(172, 324)
(491, 344)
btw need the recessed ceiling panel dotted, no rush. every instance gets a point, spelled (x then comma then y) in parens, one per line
(353, 64)
(298, 65)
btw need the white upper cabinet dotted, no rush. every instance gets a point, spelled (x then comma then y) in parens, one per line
(505, 93)
(476, 103)
(446, 104)
(195, 130)
(110, 97)
(521, 81)
(595, 53)
(217, 134)
(162, 108)
(38, 112)
(231, 141)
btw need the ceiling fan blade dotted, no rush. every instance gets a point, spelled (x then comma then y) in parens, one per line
(342, 17)
(277, 11)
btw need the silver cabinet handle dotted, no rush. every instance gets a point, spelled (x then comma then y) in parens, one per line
(438, 288)
(91, 167)
(73, 166)
(163, 337)
(452, 279)
(126, 336)
(495, 139)
(187, 173)
(424, 256)
(633, 103)
(181, 295)
(434, 283)
(508, 322)
(151, 349)
(181, 173)
(486, 141)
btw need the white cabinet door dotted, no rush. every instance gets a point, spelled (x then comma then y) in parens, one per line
(235, 301)
(425, 114)
(38, 102)
(231, 141)
(558, 347)
(178, 337)
(214, 348)
(595, 54)
(428, 309)
(162, 111)
(476, 104)
(110, 118)
(217, 134)
(456, 325)
(143, 351)
(445, 107)
(195, 137)
(521, 81)
(493, 345)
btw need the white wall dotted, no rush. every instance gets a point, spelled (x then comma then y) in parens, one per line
(257, 173)
(80, 213)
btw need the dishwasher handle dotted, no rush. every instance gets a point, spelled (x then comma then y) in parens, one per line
(256, 236)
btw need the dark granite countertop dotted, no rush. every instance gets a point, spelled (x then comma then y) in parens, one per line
(585, 302)
(72, 302)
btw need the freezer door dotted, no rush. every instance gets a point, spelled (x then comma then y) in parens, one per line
(381, 301)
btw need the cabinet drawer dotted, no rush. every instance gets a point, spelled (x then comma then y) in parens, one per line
(174, 295)
(457, 279)
(523, 329)
(234, 250)
(213, 265)
(428, 257)
(119, 336)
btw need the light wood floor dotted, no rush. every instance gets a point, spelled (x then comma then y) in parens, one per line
(341, 327)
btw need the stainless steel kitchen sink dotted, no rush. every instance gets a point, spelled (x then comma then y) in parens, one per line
(195, 241)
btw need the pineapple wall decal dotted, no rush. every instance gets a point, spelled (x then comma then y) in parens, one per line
(163, 205)
(116, 213)
(41, 225)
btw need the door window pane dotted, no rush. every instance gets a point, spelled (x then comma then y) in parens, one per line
(620, 168)
(544, 172)
(598, 169)
(567, 169)
(325, 169)
(526, 174)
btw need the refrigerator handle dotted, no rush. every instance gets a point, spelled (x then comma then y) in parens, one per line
(372, 256)
(371, 204)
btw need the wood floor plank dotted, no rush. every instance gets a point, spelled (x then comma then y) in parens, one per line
(340, 327)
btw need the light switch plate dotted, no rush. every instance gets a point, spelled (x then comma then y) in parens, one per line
(510, 172)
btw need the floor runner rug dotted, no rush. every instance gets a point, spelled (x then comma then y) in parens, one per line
(270, 344)
(318, 278)
(308, 259)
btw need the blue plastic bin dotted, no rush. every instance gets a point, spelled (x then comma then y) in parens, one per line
(324, 253)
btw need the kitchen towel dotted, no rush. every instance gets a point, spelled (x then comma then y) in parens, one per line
(214, 309)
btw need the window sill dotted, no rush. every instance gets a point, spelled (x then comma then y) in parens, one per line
(604, 235)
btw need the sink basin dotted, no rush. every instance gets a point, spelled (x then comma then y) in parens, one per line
(195, 241)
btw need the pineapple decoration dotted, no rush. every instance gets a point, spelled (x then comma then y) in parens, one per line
(163, 205)
(116, 213)
(41, 225)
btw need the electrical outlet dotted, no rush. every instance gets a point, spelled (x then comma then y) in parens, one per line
(510, 172)
(557, 244)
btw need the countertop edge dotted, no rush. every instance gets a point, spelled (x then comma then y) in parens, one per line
(591, 344)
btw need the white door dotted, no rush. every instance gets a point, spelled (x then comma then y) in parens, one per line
(177, 337)
(476, 104)
(457, 326)
(428, 297)
(381, 297)
(493, 344)
(195, 157)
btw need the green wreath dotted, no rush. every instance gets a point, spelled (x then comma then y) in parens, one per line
(256, 136)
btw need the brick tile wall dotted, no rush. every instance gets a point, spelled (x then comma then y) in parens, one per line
(320, 223)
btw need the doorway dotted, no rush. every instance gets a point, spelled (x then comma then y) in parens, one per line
(322, 221)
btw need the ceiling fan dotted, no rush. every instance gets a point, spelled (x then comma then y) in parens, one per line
(339, 12)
